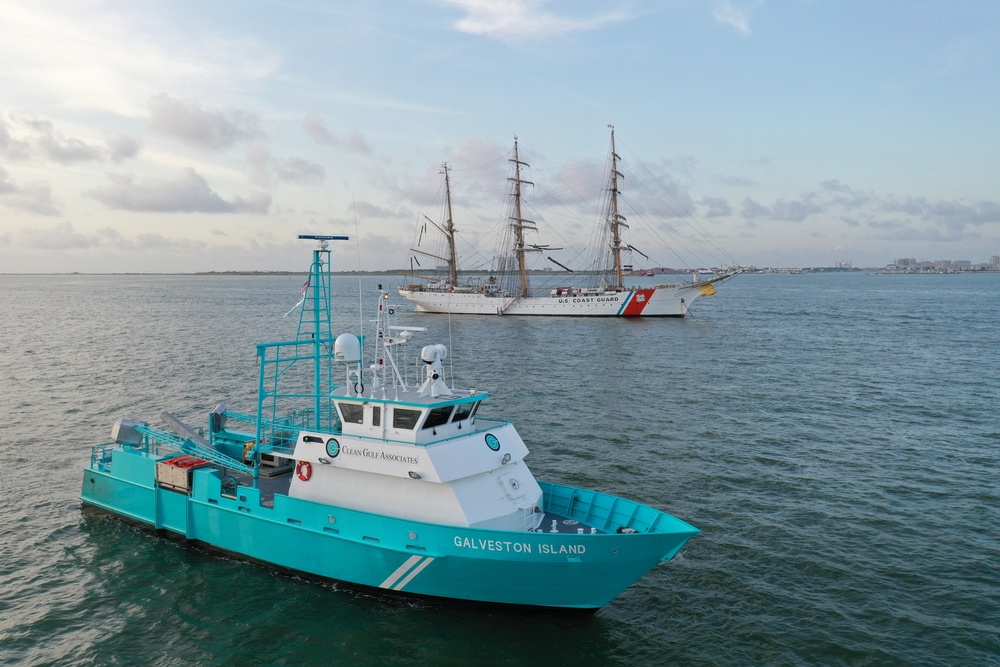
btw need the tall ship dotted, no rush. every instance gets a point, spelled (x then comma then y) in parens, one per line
(350, 471)
(597, 291)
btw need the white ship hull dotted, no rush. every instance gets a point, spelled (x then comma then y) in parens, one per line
(659, 301)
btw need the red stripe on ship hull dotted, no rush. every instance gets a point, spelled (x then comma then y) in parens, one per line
(638, 303)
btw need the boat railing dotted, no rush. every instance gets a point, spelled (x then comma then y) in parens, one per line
(279, 430)
(308, 406)
(155, 439)
(100, 456)
(607, 512)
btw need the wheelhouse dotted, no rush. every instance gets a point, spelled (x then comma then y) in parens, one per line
(418, 420)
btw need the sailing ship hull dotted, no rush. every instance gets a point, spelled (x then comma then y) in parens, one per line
(560, 570)
(659, 301)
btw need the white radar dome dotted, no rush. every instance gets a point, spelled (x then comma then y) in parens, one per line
(347, 349)
(432, 353)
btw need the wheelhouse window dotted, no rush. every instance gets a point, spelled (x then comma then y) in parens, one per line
(403, 418)
(438, 416)
(464, 411)
(376, 416)
(351, 413)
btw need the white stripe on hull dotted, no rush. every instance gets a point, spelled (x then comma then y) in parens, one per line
(410, 562)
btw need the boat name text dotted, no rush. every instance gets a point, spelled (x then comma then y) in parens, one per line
(381, 456)
(592, 299)
(480, 544)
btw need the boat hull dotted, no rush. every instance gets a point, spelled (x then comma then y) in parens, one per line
(559, 570)
(660, 301)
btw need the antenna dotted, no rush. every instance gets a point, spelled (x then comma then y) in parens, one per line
(386, 338)
(323, 239)
(361, 321)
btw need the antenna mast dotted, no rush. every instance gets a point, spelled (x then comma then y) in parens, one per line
(314, 318)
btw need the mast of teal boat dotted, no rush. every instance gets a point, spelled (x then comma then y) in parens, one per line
(314, 320)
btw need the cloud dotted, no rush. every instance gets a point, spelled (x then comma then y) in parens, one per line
(796, 210)
(751, 210)
(897, 219)
(195, 125)
(64, 236)
(122, 147)
(11, 148)
(949, 213)
(517, 20)
(27, 137)
(736, 181)
(100, 55)
(149, 241)
(356, 143)
(61, 149)
(732, 14)
(61, 236)
(844, 195)
(366, 209)
(717, 207)
(315, 127)
(266, 170)
(188, 193)
(35, 197)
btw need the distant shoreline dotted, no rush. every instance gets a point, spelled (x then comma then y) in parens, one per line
(400, 272)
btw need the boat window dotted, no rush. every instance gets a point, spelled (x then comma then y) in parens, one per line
(351, 413)
(403, 418)
(376, 416)
(438, 416)
(463, 411)
(475, 408)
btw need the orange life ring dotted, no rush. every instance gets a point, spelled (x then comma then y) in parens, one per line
(304, 470)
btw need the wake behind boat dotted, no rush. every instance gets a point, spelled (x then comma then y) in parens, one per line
(356, 474)
(601, 291)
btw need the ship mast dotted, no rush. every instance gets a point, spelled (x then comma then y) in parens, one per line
(616, 220)
(518, 222)
(450, 231)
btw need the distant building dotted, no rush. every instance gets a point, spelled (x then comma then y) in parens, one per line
(906, 262)
(995, 261)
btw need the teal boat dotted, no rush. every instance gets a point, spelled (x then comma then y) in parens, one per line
(358, 475)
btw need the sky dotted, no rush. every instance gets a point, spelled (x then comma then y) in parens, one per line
(205, 136)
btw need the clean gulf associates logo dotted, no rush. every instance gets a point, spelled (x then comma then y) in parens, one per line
(332, 447)
(492, 442)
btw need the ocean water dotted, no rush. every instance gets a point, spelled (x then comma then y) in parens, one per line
(835, 437)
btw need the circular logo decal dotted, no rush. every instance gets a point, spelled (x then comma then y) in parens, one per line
(492, 442)
(332, 447)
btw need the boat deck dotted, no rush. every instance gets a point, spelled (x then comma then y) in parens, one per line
(554, 523)
(280, 484)
(269, 485)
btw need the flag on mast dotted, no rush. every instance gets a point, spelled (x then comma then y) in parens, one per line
(305, 288)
